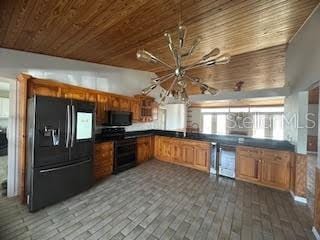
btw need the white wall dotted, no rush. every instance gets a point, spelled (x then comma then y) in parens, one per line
(95, 76)
(313, 110)
(303, 55)
(89, 75)
(176, 117)
(295, 123)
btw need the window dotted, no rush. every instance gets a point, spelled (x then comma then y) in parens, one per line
(207, 123)
(221, 124)
(259, 126)
(277, 127)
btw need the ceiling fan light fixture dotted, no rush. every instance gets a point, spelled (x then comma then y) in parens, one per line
(182, 35)
(223, 59)
(213, 53)
(194, 45)
(148, 89)
(178, 72)
(145, 56)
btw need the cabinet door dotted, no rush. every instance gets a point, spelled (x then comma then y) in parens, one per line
(276, 173)
(157, 149)
(188, 154)
(143, 149)
(91, 97)
(124, 104)
(43, 90)
(103, 162)
(102, 102)
(72, 93)
(202, 157)
(166, 149)
(114, 103)
(135, 109)
(248, 168)
(176, 152)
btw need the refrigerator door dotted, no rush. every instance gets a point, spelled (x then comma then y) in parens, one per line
(51, 126)
(51, 185)
(82, 133)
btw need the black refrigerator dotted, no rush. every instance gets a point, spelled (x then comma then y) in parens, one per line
(59, 149)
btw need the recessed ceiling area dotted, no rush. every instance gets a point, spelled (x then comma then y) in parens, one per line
(110, 32)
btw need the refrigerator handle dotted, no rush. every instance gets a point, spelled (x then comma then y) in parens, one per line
(73, 125)
(68, 126)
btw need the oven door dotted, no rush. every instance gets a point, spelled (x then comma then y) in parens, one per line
(125, 155)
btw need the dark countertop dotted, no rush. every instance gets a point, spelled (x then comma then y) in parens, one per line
(230, 140)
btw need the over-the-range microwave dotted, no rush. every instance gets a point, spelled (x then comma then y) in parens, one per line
(118, 118)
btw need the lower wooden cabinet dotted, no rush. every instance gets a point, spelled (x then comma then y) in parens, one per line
(103, 162)
(190, 153)
(144, 149)
(263, 166)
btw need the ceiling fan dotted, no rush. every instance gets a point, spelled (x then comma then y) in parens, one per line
(179, 73)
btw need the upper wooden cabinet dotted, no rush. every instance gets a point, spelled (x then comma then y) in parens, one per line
(124, 103)
(135, 109)
(148, 108)
(267, 167)
(144, 108)
(36, 87)
(102, 105)
(114, 103)
(72, 93)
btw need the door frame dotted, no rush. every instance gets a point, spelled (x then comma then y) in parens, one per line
(12, 177)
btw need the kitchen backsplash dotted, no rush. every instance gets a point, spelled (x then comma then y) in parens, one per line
(145, 126)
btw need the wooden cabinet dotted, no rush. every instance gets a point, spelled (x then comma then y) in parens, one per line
(103, 162)
(102, 103)
(189, 153)
(147, 110)
(91, 97)
(114, 103)
(35, 87)
(276, 169)
(263, 166)
(176, 151)
(124, 104)
(72, 93)
(248, 168)
(202, 157)
(144, 149)
(135, 109)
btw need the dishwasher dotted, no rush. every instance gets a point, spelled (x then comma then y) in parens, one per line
(227, 161)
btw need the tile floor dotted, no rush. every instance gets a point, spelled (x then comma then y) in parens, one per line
(158, 200)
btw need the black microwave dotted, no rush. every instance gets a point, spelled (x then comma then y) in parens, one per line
(118, 118)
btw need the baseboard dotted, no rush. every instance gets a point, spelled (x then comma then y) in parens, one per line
(315, 233)
(299, 199)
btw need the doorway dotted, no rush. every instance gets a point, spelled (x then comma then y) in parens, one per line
(4, 123)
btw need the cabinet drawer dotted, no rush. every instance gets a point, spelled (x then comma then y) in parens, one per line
(280, 155)
(248, 152)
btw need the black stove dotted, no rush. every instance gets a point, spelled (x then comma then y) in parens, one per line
(111, 134)
(124, 148)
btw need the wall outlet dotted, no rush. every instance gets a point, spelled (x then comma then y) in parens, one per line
(240, 140)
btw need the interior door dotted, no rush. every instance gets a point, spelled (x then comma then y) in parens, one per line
(50, 126)
(82, 133)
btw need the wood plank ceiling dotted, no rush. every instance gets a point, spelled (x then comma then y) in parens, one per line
(110, 32)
